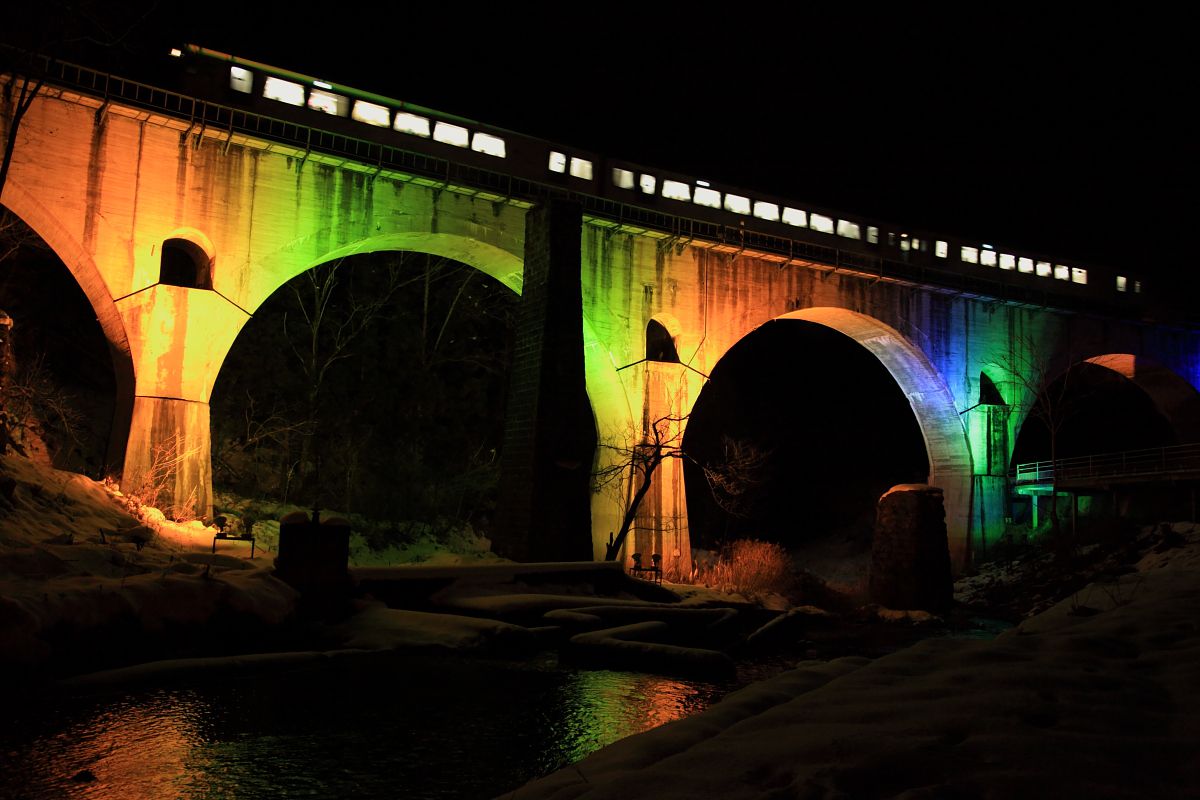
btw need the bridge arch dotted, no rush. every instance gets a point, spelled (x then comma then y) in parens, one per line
(1172, 395)
(1165, 396)
(933, 406)
(78, 260)
(607, 395)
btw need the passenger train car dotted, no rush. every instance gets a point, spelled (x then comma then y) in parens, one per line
(785, 231)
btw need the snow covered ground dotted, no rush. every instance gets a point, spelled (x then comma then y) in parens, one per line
(1096, 697)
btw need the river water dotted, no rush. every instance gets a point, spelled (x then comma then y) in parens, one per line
(384, 727)
(411, 727)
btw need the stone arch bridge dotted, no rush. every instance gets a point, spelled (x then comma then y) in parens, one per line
(177, 236)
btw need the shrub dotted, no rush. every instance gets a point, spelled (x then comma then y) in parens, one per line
(748, 567)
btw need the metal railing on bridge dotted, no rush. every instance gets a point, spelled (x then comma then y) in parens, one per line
(1132, 466)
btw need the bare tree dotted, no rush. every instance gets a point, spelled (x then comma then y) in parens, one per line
(632, 474)
(322, 334)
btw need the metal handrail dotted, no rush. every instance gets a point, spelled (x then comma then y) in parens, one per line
(388, 157)
(1174, 460)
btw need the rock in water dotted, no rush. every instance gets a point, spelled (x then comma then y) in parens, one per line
(910, 556)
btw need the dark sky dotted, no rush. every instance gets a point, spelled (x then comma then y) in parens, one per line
(1072, 138)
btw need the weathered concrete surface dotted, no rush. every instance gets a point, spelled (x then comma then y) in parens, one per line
(106, 190)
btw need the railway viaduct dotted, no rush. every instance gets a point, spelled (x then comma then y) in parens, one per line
(119, 192)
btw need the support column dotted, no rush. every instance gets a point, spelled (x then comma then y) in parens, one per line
(168, 461)
(987, 434)
(544, 509)
(178, 339)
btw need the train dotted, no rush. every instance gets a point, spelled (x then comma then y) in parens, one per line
(655, 198)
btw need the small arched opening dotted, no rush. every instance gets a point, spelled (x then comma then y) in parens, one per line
(185, 262)
(989, 395)
(660, 344)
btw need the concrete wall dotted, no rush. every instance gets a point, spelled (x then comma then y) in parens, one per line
(105, 189)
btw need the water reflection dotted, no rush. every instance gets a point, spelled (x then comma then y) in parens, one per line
(130, 748)
(414, 728)
(602, 706)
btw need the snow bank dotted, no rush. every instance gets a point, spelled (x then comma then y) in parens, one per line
(1094, 698)
(377, 627)
(634, 647)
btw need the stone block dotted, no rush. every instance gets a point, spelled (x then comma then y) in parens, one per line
(910, 556)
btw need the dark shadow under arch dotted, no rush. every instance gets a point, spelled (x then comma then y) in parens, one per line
(81, 266)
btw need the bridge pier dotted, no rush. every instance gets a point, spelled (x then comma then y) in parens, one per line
(179, 336)
(168, 457)
(544, 509)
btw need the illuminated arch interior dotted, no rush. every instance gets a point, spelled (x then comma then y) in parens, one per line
(932, 405)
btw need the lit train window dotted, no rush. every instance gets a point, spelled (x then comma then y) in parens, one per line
(1043, 269)
(1078, 275)
(558, 161)
(1008, 261)
(905, 245)
(987, 258)
(581, 168)
(1024, 264)
(1062, 273)
(941, 249)
(849, 230)
(969, 255)
(1121, 283)
(767, 211)
(446, 133)
(283, 91)
(707, 197)
(372, 114)
(737, 204)
(917, 244)
(794, 216)
(622, 178)
(486, 143)
(411, 123)
(328, 102)
(241, 80)
(872, 234)
(1137, 287)
(676, 190)
(820, 222)
(647, 183)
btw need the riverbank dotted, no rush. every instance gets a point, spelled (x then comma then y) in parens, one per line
(88, 589)
(1093, 697)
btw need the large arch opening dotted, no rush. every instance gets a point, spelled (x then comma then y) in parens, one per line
(1091, 409)
(1105, 411)
(59, 379)
(375, 385)
(846, 408)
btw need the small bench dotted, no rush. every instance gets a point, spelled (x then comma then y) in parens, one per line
(654, 572)
(245, 537)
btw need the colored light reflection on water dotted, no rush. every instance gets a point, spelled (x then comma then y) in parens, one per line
(418, 728)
